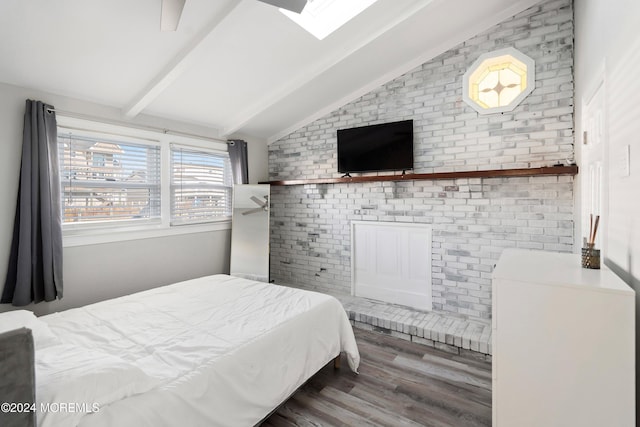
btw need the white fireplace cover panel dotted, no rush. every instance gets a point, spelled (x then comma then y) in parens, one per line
(391, 262)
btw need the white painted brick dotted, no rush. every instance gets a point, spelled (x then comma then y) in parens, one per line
(484, 215)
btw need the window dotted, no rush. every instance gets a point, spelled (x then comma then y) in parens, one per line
(106, 180)
(323, 17)
(498, 81)
(201, 185)
(121, 183)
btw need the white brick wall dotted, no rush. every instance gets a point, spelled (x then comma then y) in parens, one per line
(473, 219)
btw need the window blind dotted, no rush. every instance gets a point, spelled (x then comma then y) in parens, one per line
(107, 180)
(201, 185)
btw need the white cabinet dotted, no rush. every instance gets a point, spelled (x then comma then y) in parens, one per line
(563, 343)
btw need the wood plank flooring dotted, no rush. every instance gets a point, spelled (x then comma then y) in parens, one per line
(400, 384)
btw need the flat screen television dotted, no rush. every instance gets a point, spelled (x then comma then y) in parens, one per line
(381, 147)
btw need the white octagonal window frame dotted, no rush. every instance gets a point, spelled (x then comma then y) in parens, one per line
(498, 81)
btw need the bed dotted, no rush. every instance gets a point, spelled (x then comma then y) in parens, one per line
(213, 351)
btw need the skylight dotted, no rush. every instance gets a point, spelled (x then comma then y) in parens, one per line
(323, 17)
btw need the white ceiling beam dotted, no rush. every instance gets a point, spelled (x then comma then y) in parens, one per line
(296, 83)
(177, 65)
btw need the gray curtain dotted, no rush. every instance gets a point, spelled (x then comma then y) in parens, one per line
(239, 163)
(35, 263)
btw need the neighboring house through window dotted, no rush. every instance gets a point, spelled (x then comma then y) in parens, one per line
(108, 181)
(201, 185)
(118, 178)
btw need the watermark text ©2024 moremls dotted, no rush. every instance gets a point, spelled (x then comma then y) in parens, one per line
(56, 407)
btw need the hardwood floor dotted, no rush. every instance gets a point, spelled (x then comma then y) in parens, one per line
(400, 384)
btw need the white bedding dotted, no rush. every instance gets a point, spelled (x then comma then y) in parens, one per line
(216, 351)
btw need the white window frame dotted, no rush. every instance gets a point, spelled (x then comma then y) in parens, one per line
(99, 233)
(530, 69)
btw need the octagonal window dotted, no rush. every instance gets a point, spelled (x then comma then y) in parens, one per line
(498, 81)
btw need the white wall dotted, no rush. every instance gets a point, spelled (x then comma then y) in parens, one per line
(607, 42)
(97, 272)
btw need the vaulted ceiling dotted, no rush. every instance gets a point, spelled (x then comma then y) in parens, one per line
(239, 66)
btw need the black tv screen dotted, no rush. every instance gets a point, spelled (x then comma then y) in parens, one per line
(382, 147)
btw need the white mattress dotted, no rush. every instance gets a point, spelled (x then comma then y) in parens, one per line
(214, 351)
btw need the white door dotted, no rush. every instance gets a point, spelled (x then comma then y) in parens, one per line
(594, 140)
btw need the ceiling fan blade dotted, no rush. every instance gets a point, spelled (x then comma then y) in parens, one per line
(258, 202)
(256, 210)
(292, 5)
(170, 16)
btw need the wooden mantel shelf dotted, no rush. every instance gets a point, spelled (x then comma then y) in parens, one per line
(493, 173)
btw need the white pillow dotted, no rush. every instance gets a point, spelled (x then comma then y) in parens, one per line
(42, 335)
(87, 379)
